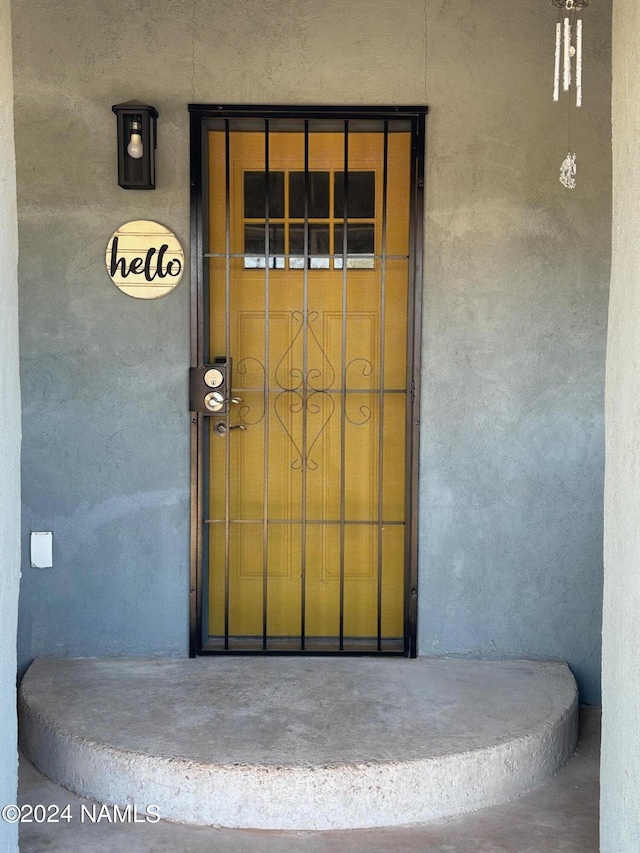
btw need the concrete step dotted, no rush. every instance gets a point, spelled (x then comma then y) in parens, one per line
(299, 743)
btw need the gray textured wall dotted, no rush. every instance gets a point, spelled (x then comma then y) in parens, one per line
(515, 288)
(620, 769)
(9, 440)
(517, 272)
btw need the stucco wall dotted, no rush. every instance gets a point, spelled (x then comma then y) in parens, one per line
(620, 780)
(9, 440)
(515, 305)
(517, 271)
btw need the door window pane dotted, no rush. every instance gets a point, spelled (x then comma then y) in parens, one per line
(318, 195)
(254, 195)
(254, 245)
(318, 245)
(360, 241)
(318, 239)
(361, 192)
(254, 239)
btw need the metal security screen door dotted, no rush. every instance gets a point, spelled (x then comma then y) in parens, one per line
(306, 245)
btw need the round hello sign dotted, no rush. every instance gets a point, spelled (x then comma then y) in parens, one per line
(145, 259)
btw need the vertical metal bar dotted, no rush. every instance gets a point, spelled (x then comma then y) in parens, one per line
(265, 487)
(305, 398)
(196, 551)
(413, 377)
(343, 382)
(196, 623)
(383, 287)
(227, 315)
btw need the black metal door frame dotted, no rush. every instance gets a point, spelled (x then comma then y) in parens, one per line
(200, 114)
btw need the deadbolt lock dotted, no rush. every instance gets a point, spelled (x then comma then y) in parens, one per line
(210, 387)
(214, 377)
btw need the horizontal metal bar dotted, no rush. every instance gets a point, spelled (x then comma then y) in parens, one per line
(362, 255)
(294, 220)
(298, 652)
(287, 110)
(294, 640)
(299, 521)
(279, 390)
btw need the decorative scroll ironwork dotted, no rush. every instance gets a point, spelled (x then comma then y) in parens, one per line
(316, 379)
(296, 406)
(365, 411)
(317, 382)
(302, 390)
(245, 408)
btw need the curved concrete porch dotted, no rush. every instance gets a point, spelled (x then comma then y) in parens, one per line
(299, 743)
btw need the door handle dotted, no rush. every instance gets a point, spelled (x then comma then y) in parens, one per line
(222, 429)
(216, 402)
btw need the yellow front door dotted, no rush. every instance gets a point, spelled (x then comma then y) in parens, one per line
(306, 476)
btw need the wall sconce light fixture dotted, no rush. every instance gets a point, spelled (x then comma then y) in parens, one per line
(137, 140)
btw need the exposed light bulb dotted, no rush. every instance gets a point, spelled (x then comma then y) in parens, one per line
(135, 148)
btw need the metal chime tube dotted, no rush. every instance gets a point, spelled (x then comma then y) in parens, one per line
(566, 82)
(556, 75)
(579, 62)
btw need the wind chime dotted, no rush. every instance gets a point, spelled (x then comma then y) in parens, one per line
(568, 55)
